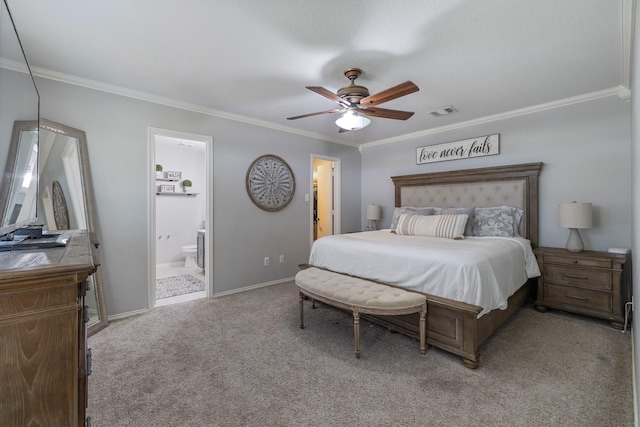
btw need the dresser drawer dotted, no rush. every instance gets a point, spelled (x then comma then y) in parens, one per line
(578, 261)
(576, 297)
(583, 277)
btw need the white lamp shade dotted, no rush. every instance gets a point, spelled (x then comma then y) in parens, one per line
(352, 120)
(575, 215)
(373, 212)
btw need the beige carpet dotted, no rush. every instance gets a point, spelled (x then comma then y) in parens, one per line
(242, 360)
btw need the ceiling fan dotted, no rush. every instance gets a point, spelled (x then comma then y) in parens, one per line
(356, 103)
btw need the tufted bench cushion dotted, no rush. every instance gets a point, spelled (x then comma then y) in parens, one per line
(356, 291)
(360, 296)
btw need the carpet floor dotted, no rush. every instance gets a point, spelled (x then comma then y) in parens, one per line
(242, 360)
(178, 285)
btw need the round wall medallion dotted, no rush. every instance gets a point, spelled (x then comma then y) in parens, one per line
(270, 183)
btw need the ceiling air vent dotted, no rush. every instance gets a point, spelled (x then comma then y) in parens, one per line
(443, 111)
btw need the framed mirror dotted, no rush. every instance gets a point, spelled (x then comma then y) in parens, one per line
(18, 191)
(66, 199)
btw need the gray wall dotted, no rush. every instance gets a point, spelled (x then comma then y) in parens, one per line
(635, 197)
(121, 168)
(585, 149)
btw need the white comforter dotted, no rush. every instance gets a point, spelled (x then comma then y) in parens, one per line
(483, 271)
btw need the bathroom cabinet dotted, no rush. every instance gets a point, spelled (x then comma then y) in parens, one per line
(200, 254)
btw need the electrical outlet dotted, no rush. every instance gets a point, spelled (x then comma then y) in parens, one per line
(266, 261)
(281, 259)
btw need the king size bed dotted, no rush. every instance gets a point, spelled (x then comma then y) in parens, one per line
(475, 278)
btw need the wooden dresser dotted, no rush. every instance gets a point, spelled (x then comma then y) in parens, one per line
(589, 282)
(43, 340)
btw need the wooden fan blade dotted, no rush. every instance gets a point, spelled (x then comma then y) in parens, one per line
(387, 95)
(387, 114)
(315, 114)
(328, 94)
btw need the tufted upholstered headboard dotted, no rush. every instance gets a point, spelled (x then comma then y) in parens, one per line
(515, 185)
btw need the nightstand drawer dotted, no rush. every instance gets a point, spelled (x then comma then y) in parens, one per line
(577, 297)
(582, 277)
(593, 283)
(578, 261)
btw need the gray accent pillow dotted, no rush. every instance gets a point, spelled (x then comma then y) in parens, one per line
(499, 221)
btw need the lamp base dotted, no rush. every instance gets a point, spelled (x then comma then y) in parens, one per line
(574, 242)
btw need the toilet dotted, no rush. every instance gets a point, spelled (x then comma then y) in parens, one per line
(190, 252)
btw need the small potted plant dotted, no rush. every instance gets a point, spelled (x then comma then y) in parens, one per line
(159, 171)
(186, 185)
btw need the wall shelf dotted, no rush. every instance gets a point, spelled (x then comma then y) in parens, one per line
(167, 179)
(175, 193)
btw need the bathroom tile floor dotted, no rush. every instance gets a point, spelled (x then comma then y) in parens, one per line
(168, 270)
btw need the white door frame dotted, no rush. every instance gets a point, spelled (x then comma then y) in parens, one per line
(337, 197)
(151, 207)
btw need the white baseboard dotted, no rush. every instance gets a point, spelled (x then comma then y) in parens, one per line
(249, 288)
(171, 264)
(127, 314)
(216, 295)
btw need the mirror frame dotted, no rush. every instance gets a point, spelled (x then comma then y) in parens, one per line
(90, 211)
(9, 176)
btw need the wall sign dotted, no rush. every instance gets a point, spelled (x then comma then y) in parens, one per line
(488, 145)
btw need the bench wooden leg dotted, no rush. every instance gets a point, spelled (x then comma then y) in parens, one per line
(301, 310)
(356, 331)
(423, 329)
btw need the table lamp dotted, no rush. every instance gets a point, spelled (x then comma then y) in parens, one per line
(373, 214)
(575, 215)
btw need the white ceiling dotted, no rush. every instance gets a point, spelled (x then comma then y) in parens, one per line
(250, 60)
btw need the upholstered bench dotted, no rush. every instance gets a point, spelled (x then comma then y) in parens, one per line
(360, 296)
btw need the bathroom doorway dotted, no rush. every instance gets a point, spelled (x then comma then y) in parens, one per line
(180, 252)
(325, 206)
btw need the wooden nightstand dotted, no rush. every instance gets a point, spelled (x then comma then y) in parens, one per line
(589, 282)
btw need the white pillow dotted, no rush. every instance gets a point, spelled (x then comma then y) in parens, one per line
(447, 226)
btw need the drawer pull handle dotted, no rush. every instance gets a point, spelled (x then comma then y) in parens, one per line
(575, 261)
(575, 276)
(89, 366)
(575, 297)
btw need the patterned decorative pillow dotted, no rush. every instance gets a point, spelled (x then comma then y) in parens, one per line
(499, 221)
(468, 230)
(447, 226)
(408, 210)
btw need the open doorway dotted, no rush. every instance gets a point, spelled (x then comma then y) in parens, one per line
(180, 261)
(325, 206)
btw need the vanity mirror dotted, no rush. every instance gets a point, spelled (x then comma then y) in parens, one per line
(66, 197)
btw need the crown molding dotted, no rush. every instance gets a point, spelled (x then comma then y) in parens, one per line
(621, 92)
(12, 65)
(147, 97)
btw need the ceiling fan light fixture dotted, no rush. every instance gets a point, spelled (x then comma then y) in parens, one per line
(353, 120)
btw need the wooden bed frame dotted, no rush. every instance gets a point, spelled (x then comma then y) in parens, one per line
(451, 325)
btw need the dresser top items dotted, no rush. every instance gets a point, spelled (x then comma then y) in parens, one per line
(78, 256)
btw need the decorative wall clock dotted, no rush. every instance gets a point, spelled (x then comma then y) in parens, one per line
(270, 183)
